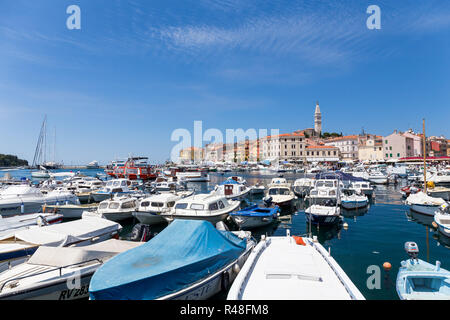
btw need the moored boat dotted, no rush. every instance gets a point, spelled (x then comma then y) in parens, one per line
(59, 273)
(17, 248)
(188, 260)
(292, 268)
(150, 209)
(202, 207)
(354, 201)
(442, 219)
(254, 216)
(423, 203)
(420, 280)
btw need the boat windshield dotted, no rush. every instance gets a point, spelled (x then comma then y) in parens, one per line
(181, 206)
(327, 184)
(279, 191)
(197, 206)
(157, 204)
(103, 206)
(113, 205)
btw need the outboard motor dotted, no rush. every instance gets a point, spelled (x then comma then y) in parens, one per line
(141, 232)
(412, 249)
(445, 208)
(222, 226)
(268, 201)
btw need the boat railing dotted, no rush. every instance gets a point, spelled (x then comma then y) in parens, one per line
(50, 270)
(338, 272)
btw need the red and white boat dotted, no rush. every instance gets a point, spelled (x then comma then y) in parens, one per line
(133, 169)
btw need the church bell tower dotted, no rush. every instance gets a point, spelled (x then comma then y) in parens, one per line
(318, 120)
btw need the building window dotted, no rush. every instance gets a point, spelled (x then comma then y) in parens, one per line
(398, 155)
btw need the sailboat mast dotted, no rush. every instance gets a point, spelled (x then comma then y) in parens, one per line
(424, 159)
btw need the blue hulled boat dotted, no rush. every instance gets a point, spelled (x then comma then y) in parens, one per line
(420, 280)
(190, 259)
(255, 216)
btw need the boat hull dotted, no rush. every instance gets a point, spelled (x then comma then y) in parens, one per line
(149, 218)
(54, 291)
(322, 220)
(428, 210)
(214, 284)
(251, 222)
(351, 205)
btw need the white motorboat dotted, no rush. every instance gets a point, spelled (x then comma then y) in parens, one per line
(257, 189)
(442, 219)
(59, 273)
(354, 201)
(279, 193)
(150, 209)
(323, 215)
(303, 186)
(112, 188)
(41, 174)
(93, 165)
(70, 211)
(17, 248)
(325, 191)
(231, 189)
(208, 207)
(378, 177)
(423, 203)
(292, 268)
(440, 178)
(118, 208)
(21, 199)
(363, 187)
(9, 226)
(439, 192)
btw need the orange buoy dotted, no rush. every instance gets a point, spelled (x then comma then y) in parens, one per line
(387, 266)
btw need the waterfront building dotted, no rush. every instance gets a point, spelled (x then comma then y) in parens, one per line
(322, 153)
(371, 149)
(284, 147)
(417, 142)
(347, 145)
(437, 146)
(397, 145)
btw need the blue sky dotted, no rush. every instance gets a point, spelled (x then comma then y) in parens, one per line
(138, 70)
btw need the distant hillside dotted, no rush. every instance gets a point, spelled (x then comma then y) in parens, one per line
(7, 160)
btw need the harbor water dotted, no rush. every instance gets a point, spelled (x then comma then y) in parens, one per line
(374, 235)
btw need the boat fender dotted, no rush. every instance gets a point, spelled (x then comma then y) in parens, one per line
(299, 241)
(236, 268)
(225, 281)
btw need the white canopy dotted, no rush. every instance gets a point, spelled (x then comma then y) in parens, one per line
(66, 233)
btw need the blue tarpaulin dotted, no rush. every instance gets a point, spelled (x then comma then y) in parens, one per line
(184, 253)
(339, 175)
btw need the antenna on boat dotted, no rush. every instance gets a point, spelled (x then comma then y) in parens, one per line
(424, 159)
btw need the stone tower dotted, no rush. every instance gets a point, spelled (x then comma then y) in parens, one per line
(318, 120)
